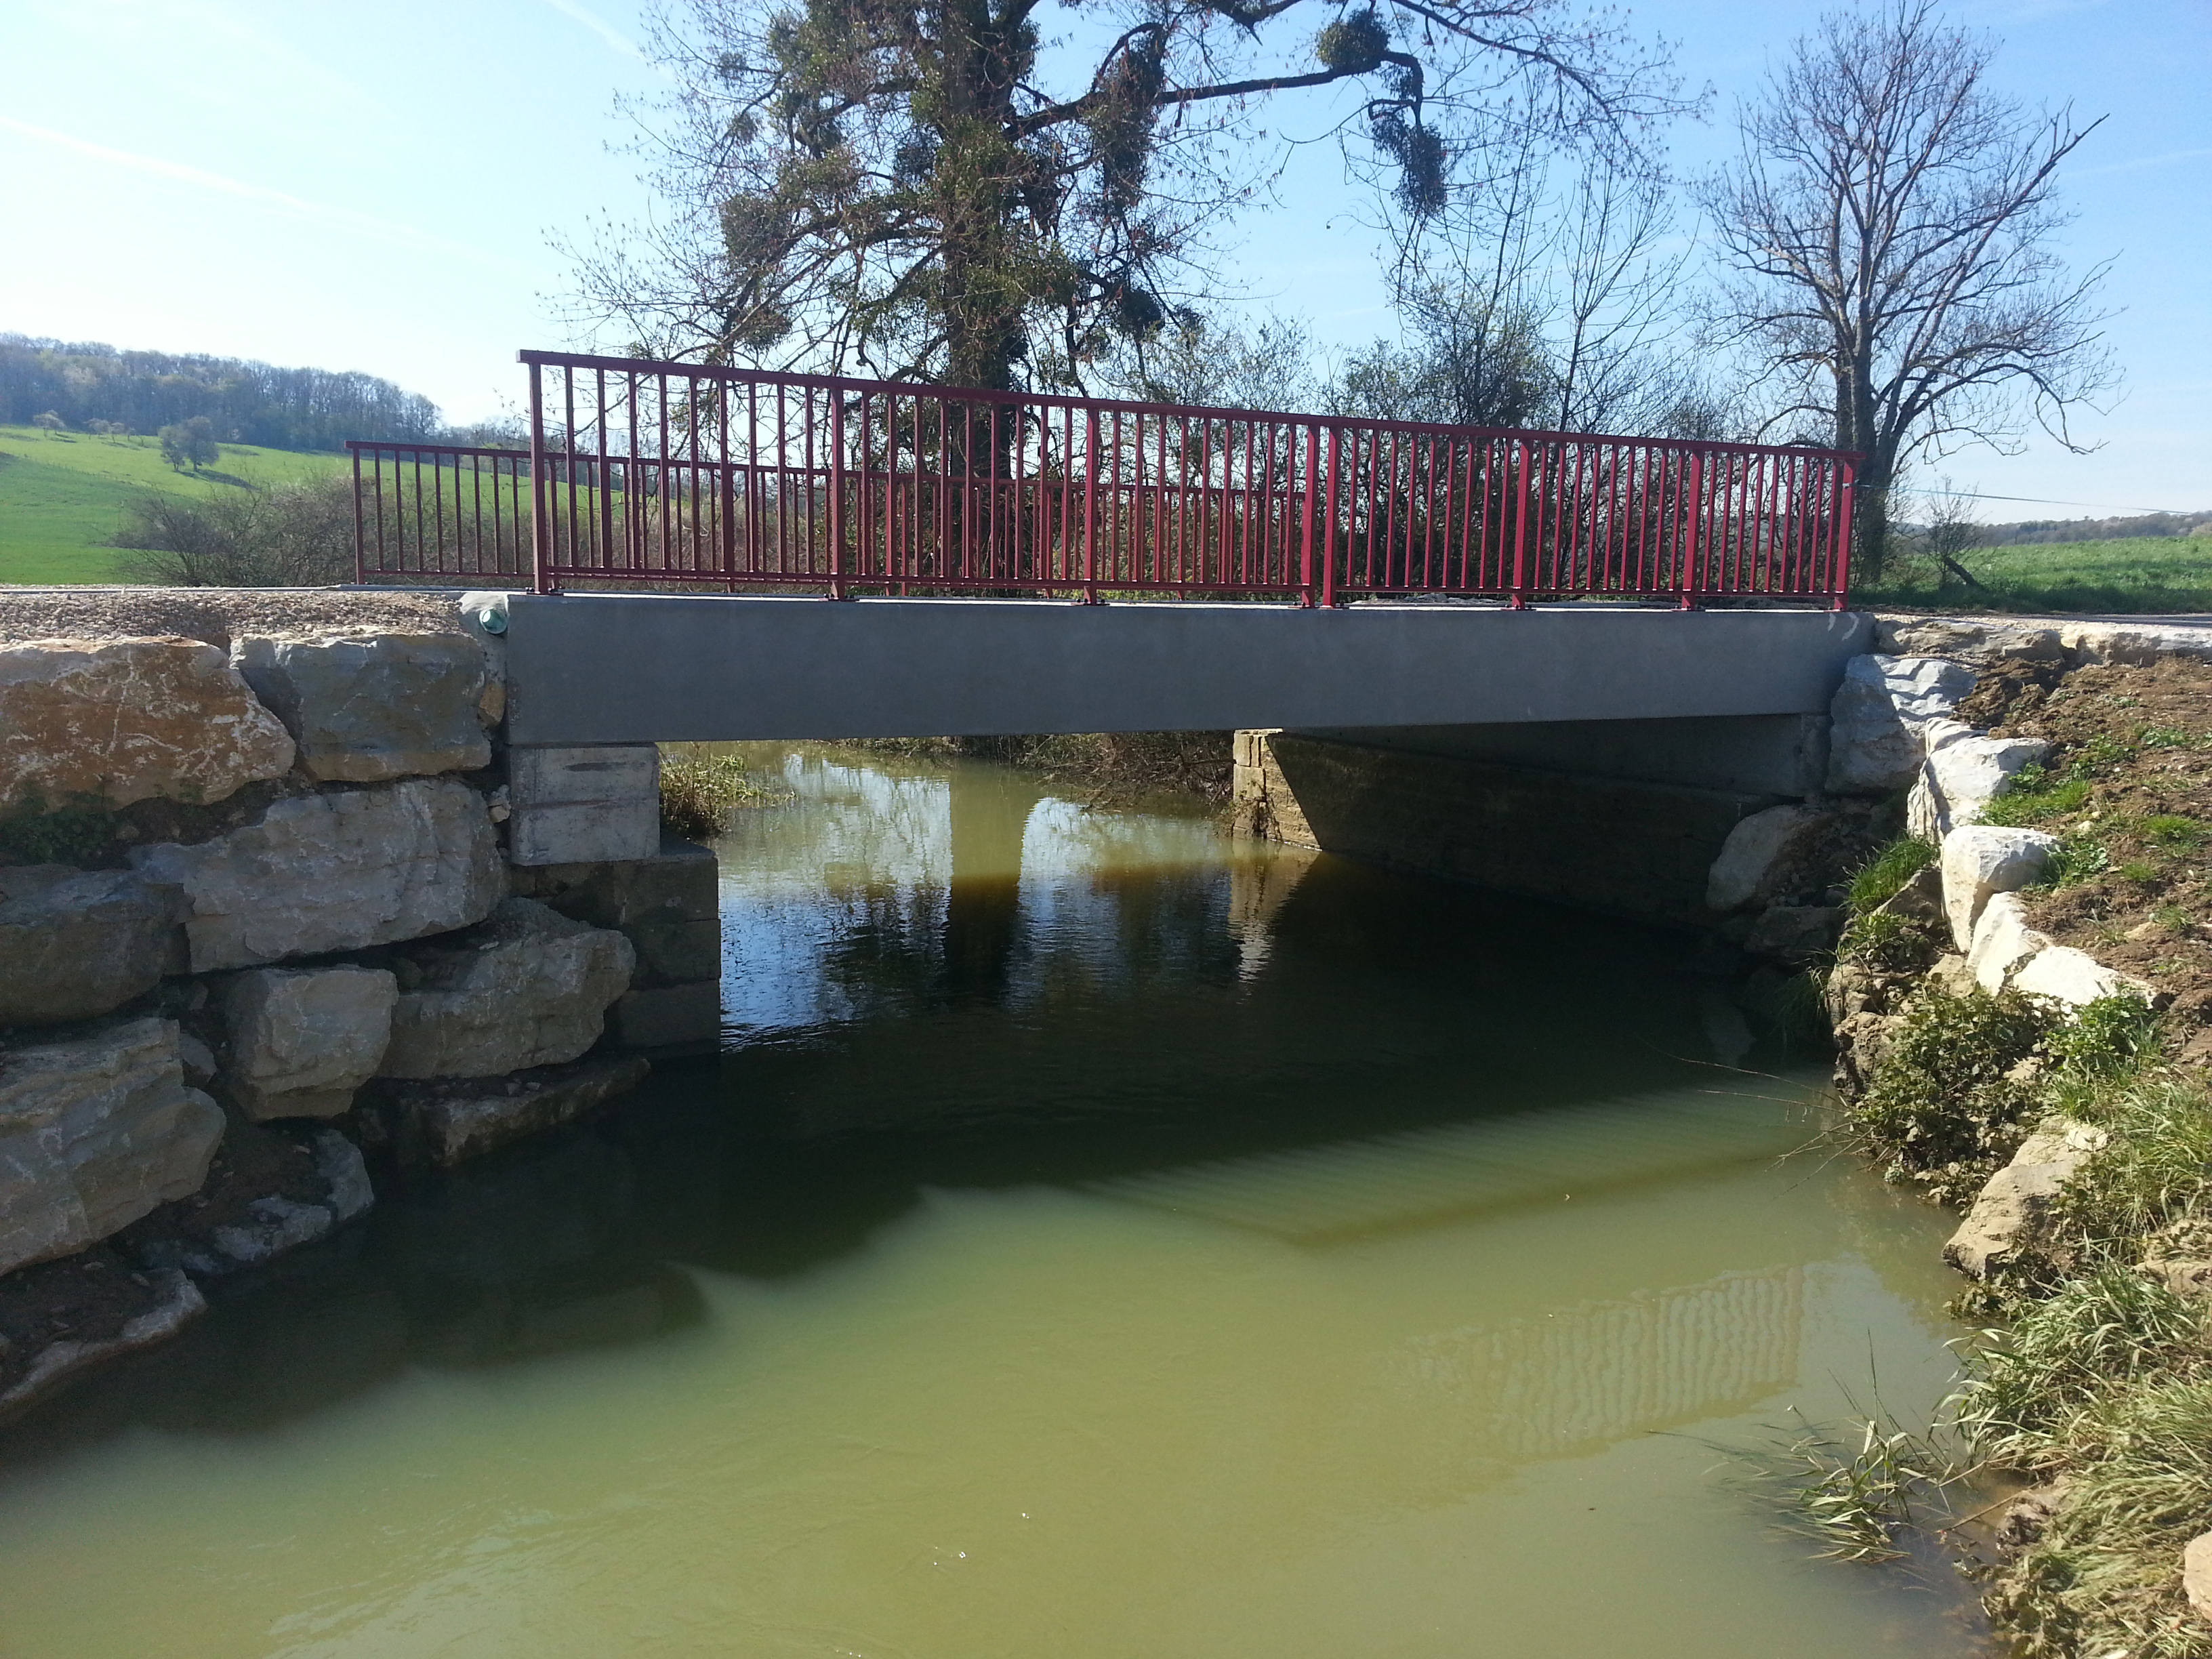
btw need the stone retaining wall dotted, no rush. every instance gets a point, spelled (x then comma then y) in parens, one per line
(274, 889)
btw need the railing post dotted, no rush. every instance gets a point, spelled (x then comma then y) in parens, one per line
(1694, 538)
(1090, 508)
(1518, 598)
(1847, 501)
(1306, 537)
(360, 534)
(1328, 530)
(541, 516)
(838, 495)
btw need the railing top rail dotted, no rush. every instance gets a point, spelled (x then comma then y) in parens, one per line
(358, 445)
(1061, 400)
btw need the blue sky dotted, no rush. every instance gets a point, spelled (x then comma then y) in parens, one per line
(372, 186)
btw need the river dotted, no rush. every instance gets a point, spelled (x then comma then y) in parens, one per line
(1096, 1239)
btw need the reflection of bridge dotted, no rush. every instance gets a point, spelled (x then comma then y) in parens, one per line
(657, 474)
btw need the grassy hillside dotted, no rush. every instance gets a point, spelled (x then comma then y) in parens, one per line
(2136, 574)
(62, 497)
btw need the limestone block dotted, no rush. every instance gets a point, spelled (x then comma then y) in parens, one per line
(2196, 1575)
(1794, 935)
(1875, 716)
(1981, 860)
(303, 1039)
(669, 1016)
(365, 709)
(584, 805)
(449, 1123)
(336, 871)
(2134, 642)
(2078, 979)
(2003, 943)
(1976, 640)
(529, 988)
(668, 906)
(1757, 850)
(114, 721)
(94, 1133)
(1963, 773)
(274, 1224)
(74, 944)
(2015, 1202)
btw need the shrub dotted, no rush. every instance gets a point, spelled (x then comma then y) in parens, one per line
(290, 535)
(698, 792)
(1888, 943)
(1941, 1106)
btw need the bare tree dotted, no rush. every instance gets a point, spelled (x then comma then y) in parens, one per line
(988, 190)
(1888, 224)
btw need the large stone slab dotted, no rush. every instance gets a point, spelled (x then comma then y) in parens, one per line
(302, 1039)
(450, 1123)
(367, 708)
(669, 906)
(77, 942)
(1964, 772)
(114, 721)
(337, 871)
(1873, 736)
(531, 988)
(2003, 943)
(1981, 860)
(1758, 851)
(584, 805)
(2014, 1205)
(177, 1303)
(94, 1133)
(2076, 979)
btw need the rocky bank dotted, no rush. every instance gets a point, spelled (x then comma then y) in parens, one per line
(282, 914)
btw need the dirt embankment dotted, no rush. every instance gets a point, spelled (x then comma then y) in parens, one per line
(2129, 791)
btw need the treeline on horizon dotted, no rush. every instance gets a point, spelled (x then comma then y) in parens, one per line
(245, 402)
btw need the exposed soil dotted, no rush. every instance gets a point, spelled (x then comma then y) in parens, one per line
(86, 1298)
(215, 615)
(2142, 739)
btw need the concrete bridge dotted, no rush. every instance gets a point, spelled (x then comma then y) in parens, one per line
(1600, 754)
(601, 668)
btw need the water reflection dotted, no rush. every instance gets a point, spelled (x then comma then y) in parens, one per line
(1095, 1239)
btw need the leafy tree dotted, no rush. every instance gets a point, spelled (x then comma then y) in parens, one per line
(50, 423)
(191, 443)
(921, 188)
(1888, 222)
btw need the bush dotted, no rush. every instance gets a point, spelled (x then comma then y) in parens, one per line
(1941, 1106)
(698, 792)
(292, 535)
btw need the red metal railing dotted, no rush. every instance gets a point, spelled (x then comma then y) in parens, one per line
(671, 474)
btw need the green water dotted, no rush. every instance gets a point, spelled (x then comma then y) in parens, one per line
(1096, 1239)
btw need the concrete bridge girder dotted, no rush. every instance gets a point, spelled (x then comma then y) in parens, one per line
(595, 669)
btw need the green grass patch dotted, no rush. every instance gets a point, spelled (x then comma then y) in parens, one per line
(62, 497)
(2142, 574)
(1881, 877)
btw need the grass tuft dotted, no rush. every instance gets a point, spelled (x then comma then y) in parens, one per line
(1881, 878)
(698, 791)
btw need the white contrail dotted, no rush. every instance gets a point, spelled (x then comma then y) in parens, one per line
(387, 229)
(606, 32)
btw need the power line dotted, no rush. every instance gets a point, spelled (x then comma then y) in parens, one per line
(2041, 500)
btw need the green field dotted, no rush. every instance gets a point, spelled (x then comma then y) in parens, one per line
(2139, 574)
(62, 497)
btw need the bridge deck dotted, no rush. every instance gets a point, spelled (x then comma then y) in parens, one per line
(597, 668)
